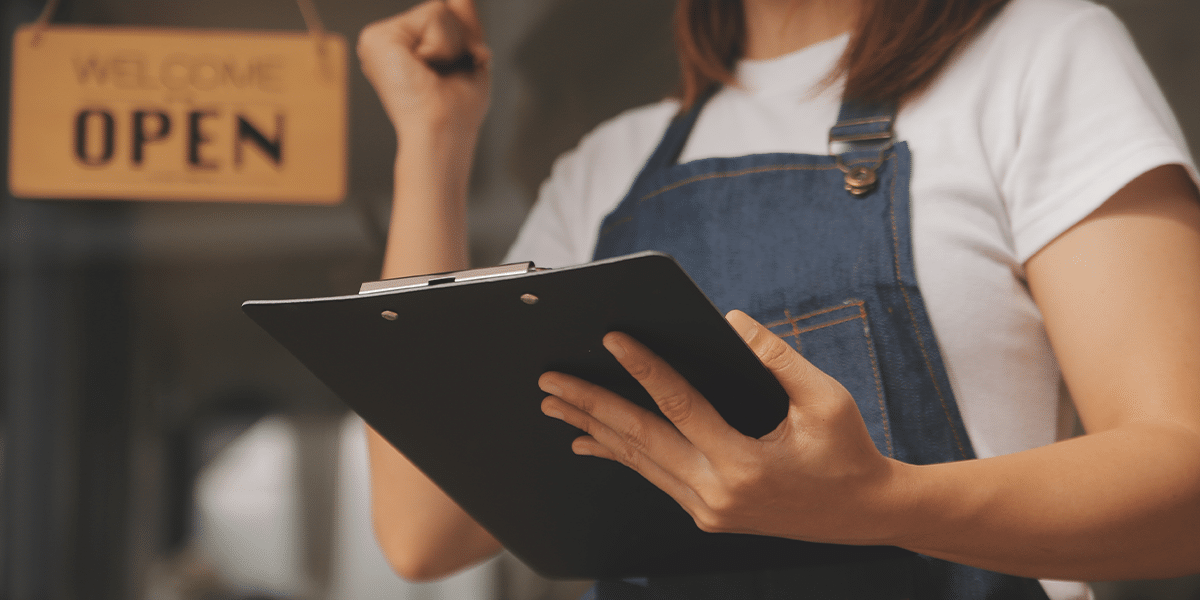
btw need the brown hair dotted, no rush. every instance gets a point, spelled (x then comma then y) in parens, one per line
(895, 50)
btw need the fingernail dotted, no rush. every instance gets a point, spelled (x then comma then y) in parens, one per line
(613, 346)
(554, 413)
(581, 450)
(550, 388)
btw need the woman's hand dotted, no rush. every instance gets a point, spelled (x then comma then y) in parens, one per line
(1119, 293)
(430, 67)
(817, 477)
(432, 72)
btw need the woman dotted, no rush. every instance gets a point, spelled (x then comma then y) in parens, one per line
(1052, 203)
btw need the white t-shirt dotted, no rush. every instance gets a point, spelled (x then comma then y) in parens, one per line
(1043, 117)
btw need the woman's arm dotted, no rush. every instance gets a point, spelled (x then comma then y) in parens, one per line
(1120, 293)
(436, 101)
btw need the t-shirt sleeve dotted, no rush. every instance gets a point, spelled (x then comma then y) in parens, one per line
(586, 184)
(1091, 119)
(550, 237)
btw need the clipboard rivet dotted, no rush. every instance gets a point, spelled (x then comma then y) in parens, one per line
(389, 315)
(529, 299)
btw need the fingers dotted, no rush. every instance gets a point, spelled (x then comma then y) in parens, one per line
(795, 374)
(658, 476)
(632, 434)
(432, 32)
(430, 73)
(685, 407)
(468, 15)
(622, 432)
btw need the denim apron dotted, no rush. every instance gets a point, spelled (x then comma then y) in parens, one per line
(818, 249)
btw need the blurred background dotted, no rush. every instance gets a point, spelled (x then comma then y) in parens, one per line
(157, 444)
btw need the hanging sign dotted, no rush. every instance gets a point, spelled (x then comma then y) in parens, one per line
(125, 113)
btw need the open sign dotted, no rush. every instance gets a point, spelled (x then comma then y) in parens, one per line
(178, 115)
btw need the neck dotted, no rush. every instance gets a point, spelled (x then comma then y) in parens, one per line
(778, 27)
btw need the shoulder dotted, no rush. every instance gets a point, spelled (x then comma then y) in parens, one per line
(1050, 11)
(1055, 105)
(1028, 35)
(1037, 48)
(1031, 19)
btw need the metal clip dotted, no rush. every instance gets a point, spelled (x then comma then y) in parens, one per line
(861, 180)
(392, 285)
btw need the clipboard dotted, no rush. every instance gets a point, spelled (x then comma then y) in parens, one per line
(445, 367)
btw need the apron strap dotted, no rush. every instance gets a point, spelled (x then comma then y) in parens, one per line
(671, 146)
(862, 126)
(860, 122)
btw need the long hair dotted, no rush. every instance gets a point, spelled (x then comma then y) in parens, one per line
(895, 49)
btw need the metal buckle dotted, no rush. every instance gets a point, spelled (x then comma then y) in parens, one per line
(861, 179)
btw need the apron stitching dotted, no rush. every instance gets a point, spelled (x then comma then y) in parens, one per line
(611, 226)
(795, 330)
(863, 121)
(862, 314)
(912, 317)
(724, 174)
(859, 137)
(887, 421)
(829, 324)
(813, 314)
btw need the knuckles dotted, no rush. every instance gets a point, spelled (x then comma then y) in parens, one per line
(707, 522)
(640, 369)
(725, 504)
(715, 519)
(634, 444)
(773, 352)
(437, 26)
(677, 407)
(371, 40)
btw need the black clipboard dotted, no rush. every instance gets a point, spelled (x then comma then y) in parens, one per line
(445, 367)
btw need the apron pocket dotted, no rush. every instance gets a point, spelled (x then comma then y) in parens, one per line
(837, 340)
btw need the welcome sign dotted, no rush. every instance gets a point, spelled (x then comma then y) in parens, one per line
(125, 113)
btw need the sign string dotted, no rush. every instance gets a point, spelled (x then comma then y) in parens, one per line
(43, 20)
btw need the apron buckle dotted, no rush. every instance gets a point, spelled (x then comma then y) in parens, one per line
(861, 180)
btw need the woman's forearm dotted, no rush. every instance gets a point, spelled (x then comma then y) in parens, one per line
(428, 230)
(1120, 504)
(424, 534)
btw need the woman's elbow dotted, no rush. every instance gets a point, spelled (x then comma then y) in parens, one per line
(420, 557)
(416, 568)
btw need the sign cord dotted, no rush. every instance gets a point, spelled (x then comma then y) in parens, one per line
(44, 19)
(312, 19)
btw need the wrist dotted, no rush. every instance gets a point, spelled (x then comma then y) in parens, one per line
(904, 506)
(444, 149)
(440, 125)
(434, 163)
(428, 230)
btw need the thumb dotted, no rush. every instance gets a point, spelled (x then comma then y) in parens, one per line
(799, 378)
